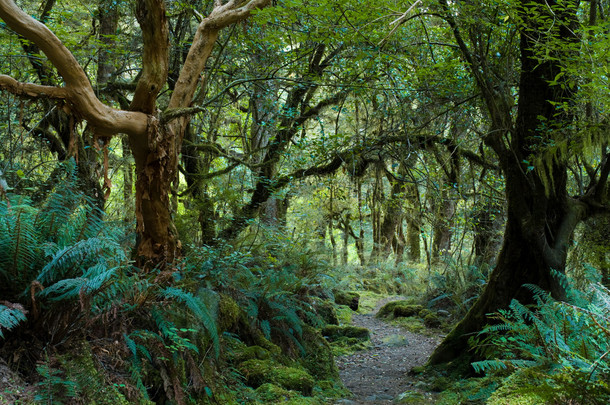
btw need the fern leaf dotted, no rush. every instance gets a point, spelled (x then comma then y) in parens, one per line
(11, 317)
(198, 309)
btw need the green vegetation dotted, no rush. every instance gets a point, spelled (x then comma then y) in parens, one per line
(197, 197)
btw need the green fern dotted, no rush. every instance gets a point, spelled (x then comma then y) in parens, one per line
(11, 317)
(199, 310)
(568, 342)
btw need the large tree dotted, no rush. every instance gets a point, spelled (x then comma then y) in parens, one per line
(541, 215)
(155, 138)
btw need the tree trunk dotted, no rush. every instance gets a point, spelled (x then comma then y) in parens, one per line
(399, 244)
(414, 220)
(540, 216)
(487, 223)
(346, 227)
(442, 229)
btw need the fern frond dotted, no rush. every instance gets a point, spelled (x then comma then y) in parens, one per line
(199, 310)
(70, 260)
(11, 317)
(19, 245)
(70, 288)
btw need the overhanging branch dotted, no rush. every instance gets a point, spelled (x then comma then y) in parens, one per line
(31, 90)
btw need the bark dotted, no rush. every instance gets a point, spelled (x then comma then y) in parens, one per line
(487, 241)
(391, 225)
(442, 228)
(399, 244)
(344, 251)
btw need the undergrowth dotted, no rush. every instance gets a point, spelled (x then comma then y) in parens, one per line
(562, 348)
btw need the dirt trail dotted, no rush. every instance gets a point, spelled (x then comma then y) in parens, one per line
(378, 375)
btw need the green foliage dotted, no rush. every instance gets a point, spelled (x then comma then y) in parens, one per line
(58, 251)
(271, 282)
(54, 387)
(11, 317)
(565, 344)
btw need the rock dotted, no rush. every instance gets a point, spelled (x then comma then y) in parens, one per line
(326, 311)
(318, 360)
(401, 308)
(405, 311)
(351, 299)
(259, 372)
(431, 319)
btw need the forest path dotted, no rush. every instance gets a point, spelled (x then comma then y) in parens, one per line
(378, 375)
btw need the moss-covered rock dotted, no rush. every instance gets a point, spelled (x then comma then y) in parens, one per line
(327, 312)
(404, 311)
(271, 393)
(405, 305)
(349, 298)
(334, 332)
(432, 320)
(318, 360)
(245, 353)
(258, 372)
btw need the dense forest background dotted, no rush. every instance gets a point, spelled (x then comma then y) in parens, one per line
(190, 189)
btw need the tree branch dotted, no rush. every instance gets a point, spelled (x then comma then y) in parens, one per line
(31, 90)
(80, 94)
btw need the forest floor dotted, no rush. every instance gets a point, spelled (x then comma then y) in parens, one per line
(380, 374)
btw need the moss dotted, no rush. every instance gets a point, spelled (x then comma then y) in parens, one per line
(318, 360)
(229, 313)
(333, 332)
(326, 310)
(411, 324)
(270, 392)
(95, 390)
(245, 353)
(260, 340)
(258, 372)
(440, 384)
(411, 397)
(344, 314)
(517, 390)
(388, 309)
(432, 320)
(302, 401)
(349, 298)
(402, 311)
(345, 345)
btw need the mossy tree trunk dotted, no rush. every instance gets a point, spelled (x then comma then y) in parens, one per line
(540, 215)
